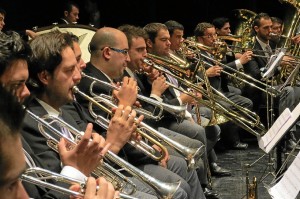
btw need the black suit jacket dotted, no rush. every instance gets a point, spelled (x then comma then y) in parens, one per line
(219, 82)
(130, 153)
(36, 145)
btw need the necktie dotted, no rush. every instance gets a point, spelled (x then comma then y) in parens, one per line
(268, 50)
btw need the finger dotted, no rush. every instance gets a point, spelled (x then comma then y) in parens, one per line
(126, 112)
(105, 149)
(85, 138)
(76, 188)
(125, 81)
(90, 187)
(103, 187)
(110, 191)
(118, 112)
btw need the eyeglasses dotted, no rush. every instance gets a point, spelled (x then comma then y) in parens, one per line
(123, 51)
(210, 36)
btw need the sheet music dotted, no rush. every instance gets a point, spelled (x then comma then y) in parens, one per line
(272, 64)
(278, 129)
(289, 185)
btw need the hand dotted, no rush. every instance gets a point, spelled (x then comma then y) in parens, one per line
(165, 160)
(121, 127)
(152, 74)
(187, 99)
(127, 93)
(86, 155)
(31, 34)
(214, 71)
(105, 191)
(296, 39)
(159, 85)
(246, 57)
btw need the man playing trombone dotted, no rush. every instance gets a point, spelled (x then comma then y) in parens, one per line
(205, 33)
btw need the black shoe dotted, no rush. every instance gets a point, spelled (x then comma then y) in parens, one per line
(291, 144)
(219, 171)
(210, 194)
(240, 146)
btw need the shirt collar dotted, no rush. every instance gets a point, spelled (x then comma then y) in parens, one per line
(262, 44)
(50, 110)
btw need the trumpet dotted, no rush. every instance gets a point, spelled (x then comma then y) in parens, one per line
(39, 175)
(163, 190)
(177, 111)
(248, 124)
(192, 155)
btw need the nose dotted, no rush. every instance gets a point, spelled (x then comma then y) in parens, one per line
(24, 93)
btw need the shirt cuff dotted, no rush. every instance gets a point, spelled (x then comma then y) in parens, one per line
(156, 97)
(74, 173)
(238, 64)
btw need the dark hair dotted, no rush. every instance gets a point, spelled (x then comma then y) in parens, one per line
(173, 25)
(12, 47)
(220, 22)
(67, 6)
(153, 28)
(258, 17)
(46, 55)
(133, 32)
(277, 20)
(2, 11)
(11, 118)
(201, 27)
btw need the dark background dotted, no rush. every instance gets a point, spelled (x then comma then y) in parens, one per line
(23, 14)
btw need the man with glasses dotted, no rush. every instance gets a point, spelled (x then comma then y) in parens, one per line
(205, 33)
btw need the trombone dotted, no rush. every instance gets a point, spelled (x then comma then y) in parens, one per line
(177, 111)
(269, 89)
(253, 119)
(39, 175)
(192, 155)
(164, 190)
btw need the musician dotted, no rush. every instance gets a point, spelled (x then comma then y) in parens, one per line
(262, 26)
(205, 33)
(12, 158)
(109, 57)
(70, 13)
(276, 29)
(176, 31)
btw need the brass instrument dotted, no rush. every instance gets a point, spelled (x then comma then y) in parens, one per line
(119, 181)
(164, 190)
(248, 121)
(39, 175)
(242, 77)
(230, 37)
(177, 111)
(251, 188)
(244, 29)
(192, 155)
